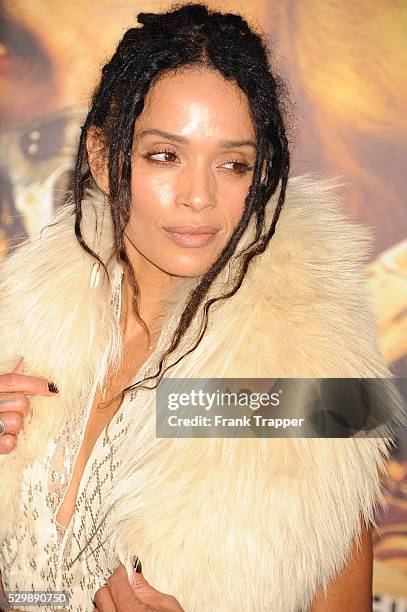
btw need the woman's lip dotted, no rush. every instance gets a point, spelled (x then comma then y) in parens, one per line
(190, 240)
(192, 229)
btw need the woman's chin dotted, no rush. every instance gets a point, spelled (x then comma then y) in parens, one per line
(188, 270)
(188, 266)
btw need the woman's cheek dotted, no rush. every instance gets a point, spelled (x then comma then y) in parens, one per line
(150, 195)
(236, 204)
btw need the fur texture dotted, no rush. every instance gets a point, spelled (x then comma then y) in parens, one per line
(223, 524)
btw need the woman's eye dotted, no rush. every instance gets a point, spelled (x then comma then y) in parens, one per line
(164, 156)
(239, 167)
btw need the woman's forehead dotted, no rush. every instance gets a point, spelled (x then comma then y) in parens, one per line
(192, 102)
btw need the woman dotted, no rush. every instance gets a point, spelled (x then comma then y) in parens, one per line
(185, 129)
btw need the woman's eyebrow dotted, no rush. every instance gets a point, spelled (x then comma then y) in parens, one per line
(225, 144)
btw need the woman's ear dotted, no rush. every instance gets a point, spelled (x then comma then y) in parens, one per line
(97, 158)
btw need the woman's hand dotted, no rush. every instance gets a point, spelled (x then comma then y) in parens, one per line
(120, 596)
(14, 405)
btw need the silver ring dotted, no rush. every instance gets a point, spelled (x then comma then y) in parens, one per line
(2, 428)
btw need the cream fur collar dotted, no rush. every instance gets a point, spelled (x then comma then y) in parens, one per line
(273, 518)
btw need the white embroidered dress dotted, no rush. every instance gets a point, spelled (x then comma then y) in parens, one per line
(40, 554)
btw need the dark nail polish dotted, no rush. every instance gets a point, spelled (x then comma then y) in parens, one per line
(137, 565)
(53, 388)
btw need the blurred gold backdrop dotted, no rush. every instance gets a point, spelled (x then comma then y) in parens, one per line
(346, 65)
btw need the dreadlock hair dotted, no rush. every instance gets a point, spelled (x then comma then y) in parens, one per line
(187, 35)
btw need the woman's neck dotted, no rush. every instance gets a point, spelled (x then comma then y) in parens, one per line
(156, 289)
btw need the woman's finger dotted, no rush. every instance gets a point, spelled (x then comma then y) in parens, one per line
(7, 443)
(152, 597)
(14, 382)
(14, 402)
(122, 592)
(12, 422)
(103, 600)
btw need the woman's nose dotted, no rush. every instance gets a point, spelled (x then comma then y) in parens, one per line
(195, 189)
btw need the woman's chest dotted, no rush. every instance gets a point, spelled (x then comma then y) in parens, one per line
(105, 405)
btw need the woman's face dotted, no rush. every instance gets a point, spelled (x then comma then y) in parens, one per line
(192, 164)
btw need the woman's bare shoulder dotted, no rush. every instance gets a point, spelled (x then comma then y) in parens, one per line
(352, 588)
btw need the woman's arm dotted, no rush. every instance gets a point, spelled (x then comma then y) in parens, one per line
(352, 589)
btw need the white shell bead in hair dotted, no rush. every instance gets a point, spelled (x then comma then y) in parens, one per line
(95, 275)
